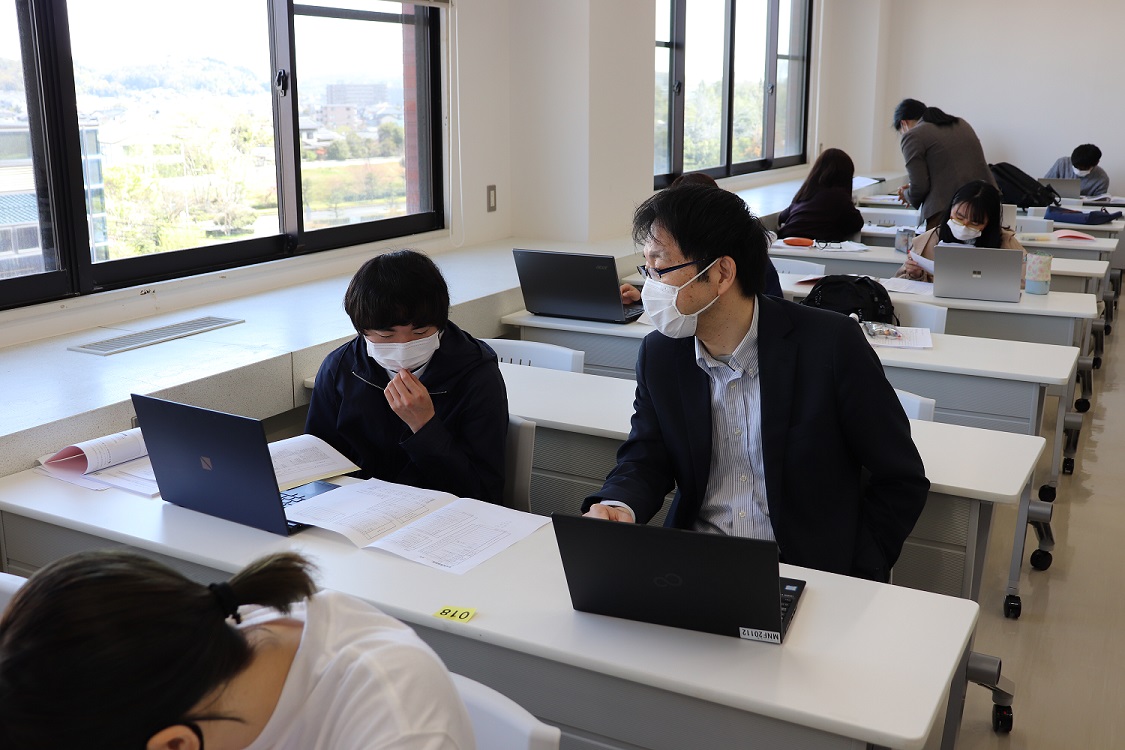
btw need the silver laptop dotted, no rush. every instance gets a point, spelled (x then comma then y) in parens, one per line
(1065, 187)
(985, 273)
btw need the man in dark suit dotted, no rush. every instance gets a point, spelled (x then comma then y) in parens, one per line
(773, 420)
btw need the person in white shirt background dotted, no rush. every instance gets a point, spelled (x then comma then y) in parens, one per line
(110, 649)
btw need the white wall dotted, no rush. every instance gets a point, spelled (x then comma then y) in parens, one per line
(1035, 78)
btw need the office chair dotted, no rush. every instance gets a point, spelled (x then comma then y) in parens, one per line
(915, 406)
(921, 315)
(790, 265)
(537, 354)
(8, 586)
(501, 723)
(519, 449)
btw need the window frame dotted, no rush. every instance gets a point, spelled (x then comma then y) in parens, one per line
(676, 94)
(57, 133)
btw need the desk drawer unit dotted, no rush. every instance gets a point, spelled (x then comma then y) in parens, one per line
(614, 356)
(974, 401)
(935, 557)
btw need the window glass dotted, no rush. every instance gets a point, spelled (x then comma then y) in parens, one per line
(704, 29)
(662, 156)
(749, 80)
(21, 253)
(177, 125)
(792, 74)
(362, 131)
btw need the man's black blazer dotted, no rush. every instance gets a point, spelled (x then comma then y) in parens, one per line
(827, 414)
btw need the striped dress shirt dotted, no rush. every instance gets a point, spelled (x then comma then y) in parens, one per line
(735, 501)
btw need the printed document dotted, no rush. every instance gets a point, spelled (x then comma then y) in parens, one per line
(430, 527)
(909, 286)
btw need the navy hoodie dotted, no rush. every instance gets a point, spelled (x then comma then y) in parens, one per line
(460, 450)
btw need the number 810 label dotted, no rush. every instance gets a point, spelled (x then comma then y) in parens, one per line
(457, 614)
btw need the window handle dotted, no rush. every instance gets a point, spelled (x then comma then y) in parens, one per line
(281, 82)
(678, 87)
(770, 89)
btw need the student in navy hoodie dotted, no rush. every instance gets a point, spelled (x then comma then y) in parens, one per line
(823, 208)
(412, 399)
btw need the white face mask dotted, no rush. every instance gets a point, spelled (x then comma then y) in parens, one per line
(659, 300)
(1081, 172)
(962, 232)
(408, 356)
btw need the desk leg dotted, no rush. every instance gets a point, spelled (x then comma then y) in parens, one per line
(955, 708)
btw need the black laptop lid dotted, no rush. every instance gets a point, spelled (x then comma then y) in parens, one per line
(570, 285)
(212, 462)
(684, 579)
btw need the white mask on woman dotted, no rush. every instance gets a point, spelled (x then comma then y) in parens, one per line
(659, 300)
(962, 232)
(409, 356)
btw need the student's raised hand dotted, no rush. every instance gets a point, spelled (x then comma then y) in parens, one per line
(609, 513)
(409, 399)
(902, 194)
(630, 294)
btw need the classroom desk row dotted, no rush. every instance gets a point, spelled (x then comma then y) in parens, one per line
(863, 664)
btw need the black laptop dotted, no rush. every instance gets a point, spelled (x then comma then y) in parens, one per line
(684, 579)
(218, 464)
(573, 285)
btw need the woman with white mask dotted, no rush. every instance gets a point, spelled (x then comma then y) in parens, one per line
(973, 218)
(412, 399)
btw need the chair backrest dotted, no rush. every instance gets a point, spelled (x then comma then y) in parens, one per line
(500, 723)
(538, 354)
(518, 452)
(8, 586)
(915, 406)
(921, 315)
(791, 265)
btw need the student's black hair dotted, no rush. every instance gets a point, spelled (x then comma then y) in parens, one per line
(104, 649)
(1086, 156)
(908, 109)
(397, 289)
(832, 169)
(982, 205)
(912, 109)
(694, 178)
(707, 223)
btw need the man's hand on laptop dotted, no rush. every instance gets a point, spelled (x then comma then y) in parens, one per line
(630, 294)
(609, 513)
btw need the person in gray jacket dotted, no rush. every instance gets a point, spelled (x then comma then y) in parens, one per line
(1082, 164)
(942, 153)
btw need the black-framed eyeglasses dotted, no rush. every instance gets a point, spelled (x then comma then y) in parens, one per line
(655, 274)
(829, 245)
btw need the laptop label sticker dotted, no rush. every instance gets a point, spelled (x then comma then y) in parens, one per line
(753, 634)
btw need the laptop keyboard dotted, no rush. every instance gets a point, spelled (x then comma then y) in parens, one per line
(787, 601)
(289, 498)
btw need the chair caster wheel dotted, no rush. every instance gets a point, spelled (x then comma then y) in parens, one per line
(1068, 466)
(1047, 493)
(1013, 607)
(1041, 559)
(1002, 719)
(1097, 363)
(1082, 405)
(1108, 329)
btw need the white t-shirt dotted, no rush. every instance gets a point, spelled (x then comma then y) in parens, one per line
(361, 680)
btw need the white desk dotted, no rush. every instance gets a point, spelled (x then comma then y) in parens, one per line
(883, 261)
(862, 663)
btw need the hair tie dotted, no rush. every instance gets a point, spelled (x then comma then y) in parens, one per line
(228, 603)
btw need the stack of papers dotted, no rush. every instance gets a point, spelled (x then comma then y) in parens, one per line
(909, 286)
(908, 338)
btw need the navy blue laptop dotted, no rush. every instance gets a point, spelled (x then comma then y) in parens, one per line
(218, 464)
(573, 285)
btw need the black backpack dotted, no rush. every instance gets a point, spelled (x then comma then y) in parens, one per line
(1020, 188)
(848, 294)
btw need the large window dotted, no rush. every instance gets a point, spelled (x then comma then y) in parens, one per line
(731, 86)
(138, 144)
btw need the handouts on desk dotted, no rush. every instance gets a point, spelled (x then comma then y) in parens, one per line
(117, 460)
(427, 526)
(898, 337)
(909, 286)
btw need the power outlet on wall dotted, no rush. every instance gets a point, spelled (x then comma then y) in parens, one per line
(491, 198)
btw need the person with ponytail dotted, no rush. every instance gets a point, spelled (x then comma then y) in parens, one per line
(110, 649)
(942, 153)
(973, 218)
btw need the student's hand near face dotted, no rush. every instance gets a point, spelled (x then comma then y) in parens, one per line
(630, 294)
(609, 513)
(902, 194)
(409, 399)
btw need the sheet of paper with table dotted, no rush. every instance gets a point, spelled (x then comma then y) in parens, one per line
(434, 528)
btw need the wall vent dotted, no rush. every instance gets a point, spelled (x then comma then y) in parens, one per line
(153, 336)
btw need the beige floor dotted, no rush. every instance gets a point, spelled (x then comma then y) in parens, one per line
(1066, 653)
